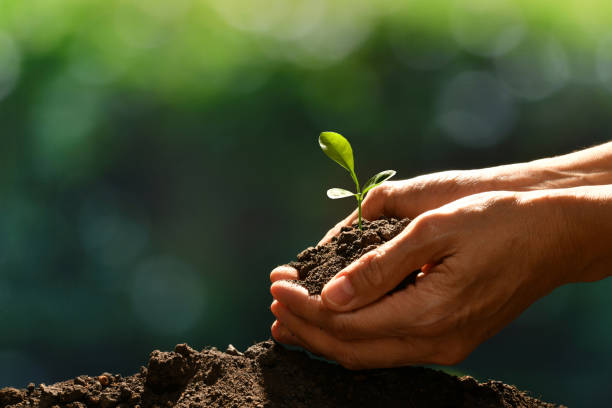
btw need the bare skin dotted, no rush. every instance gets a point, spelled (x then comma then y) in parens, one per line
(492, 241)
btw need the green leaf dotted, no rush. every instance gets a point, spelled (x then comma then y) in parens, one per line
(335, 193)
(377, 180)
(337, 148)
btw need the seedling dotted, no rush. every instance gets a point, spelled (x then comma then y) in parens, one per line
(337, 148)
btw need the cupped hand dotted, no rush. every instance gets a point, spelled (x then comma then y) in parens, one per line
(406, 199)
(493, 254)
(412, 197)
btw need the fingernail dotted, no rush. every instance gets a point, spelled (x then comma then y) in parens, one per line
(339, 291)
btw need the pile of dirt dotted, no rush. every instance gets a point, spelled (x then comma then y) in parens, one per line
(270, 375)
(265, 375)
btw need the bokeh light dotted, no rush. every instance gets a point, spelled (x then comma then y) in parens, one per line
(488, 28)
(475, 109)
(168, 295)
(9, 64)
(604, 61)
(536, 68)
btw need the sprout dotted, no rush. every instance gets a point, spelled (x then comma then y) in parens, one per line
(337, 148)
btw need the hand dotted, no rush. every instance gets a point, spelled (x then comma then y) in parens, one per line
(409, 198)
(493, 254)
(406, 198)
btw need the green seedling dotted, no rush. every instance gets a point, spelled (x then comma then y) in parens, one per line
(337, 148)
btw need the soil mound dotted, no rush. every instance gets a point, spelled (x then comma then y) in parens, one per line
(265, 375)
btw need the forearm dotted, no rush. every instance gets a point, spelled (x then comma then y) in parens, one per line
(591, 166)
(582, 232)
(409, 198)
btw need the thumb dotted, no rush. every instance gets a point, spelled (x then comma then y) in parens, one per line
(379, 271)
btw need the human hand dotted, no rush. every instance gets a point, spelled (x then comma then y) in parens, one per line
(412, 197)
(493, 254)
(406, 199)
(409, 198)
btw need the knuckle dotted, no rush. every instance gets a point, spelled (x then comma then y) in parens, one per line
(426, 226)
(373, 272)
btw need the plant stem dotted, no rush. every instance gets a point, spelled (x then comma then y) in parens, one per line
(359, 201)
(358, 196)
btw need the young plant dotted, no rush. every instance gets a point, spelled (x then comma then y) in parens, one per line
(337, 148)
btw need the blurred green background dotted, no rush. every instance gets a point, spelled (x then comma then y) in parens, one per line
(158, 158)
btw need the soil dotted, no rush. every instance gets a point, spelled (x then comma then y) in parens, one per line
(270, 375)
(317, 265)
(265, 375)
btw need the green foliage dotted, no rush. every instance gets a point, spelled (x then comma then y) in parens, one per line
(335, 193)
(377, 179)
(337, 148)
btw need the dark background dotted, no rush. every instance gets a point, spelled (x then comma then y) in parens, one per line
(158, 159)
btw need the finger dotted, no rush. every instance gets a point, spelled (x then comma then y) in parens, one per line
(378, 203)
(336, 229)
(382, 269)
(283, 272)
(417, 310)
(283, 335)
(359, 354)
(372, 322)
(290, 292)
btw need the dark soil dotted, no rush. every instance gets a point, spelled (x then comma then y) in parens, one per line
(317, 265)
(265, 375)
(269, 375)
